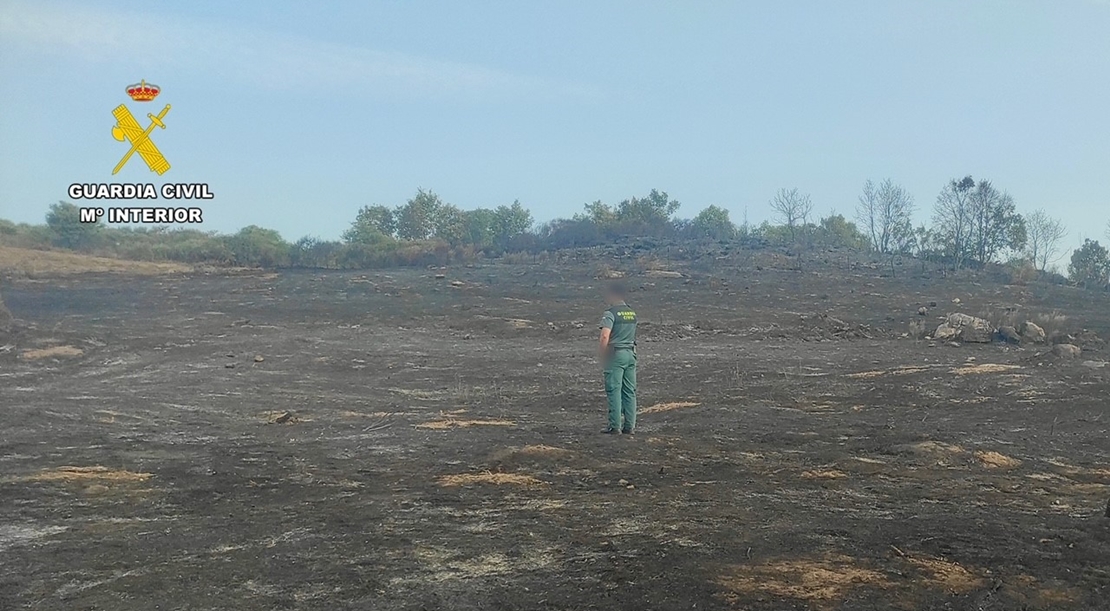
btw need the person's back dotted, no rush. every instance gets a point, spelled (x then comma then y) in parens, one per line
(617, 351)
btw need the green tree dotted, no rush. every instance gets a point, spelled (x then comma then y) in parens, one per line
(64, 221)
(372, 225)
(835, 230)
(601, 215)
(511, 222)
(1090, 265)
(480, 227)
(257, 246)
(713, 222)
(416, 220)
(651, 212)
(449, 224)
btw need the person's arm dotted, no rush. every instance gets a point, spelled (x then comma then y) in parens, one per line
(603, 343)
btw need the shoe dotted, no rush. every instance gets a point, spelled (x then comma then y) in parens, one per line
(610, 432)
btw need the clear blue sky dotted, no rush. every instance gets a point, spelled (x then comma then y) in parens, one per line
(297, 114)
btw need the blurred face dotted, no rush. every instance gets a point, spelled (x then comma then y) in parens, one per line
(612, 298)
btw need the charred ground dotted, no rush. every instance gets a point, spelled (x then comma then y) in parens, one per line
(393, 440)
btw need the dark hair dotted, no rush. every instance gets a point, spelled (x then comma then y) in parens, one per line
(616, 289)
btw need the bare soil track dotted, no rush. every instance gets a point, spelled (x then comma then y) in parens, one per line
(390, 440)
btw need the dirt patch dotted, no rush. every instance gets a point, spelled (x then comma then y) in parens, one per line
(993, 460)
(95, 474)
(983, 368)
(499, 479)
(52, 352)
(896, 371)
(824, 474)
(535, 451)
(666, 407)
(282, 417)
(821, 582)
(948, 575)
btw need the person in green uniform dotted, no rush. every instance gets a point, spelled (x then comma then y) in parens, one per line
(617, 352)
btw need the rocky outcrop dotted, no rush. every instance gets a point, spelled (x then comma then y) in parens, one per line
(964, 328)
(1032, 332)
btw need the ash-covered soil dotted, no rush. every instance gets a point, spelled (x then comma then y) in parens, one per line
(391, 440)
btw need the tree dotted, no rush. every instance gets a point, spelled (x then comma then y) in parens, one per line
(64, 221)
(449, 224)
(835, 230)
(656, 207)
(416, 220)
(254, 245)
(995, 223)
(713, 222)
(1090, 265)
(1044, 235)
(790, 207)
(952, 219)
(372, 225)
(511, 222)
(885, 212)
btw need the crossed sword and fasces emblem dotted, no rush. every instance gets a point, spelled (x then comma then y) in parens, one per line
(128, 128)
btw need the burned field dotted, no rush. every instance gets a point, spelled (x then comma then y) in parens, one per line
(394, 440)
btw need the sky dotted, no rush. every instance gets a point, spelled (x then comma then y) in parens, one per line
(298, 113)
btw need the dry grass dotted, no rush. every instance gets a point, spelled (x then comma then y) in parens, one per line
(666, 407)
(94, 474)
(948, 575)
(54, 263)
(451, 423)
(895, 371)
(983, 368)
(498, 479)
(52, 352)
(818, 581)
(824, 474)
(533, 451)
(994, 460)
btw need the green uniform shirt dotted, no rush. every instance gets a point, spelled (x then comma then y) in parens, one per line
(621, 320)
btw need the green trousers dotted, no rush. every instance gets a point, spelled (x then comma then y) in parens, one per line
(620, 388)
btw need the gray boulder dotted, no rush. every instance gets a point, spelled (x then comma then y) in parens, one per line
(1031, 331)
(1066, 351)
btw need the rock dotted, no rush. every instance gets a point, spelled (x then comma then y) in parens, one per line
(456, 283)
(258, 358)
(1066, 351)
(229, 365)
(1095, 364)
(1032, 332)
(932, 304)
(282, 418)
(945, 332)
(956, 301)
(971, 329)
(1009, 334)
(440, 276)
(662, 273)
(922, 311)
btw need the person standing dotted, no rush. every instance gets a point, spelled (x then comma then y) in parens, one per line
(617, 352)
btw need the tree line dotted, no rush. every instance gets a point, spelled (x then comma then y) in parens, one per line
(973, 224)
